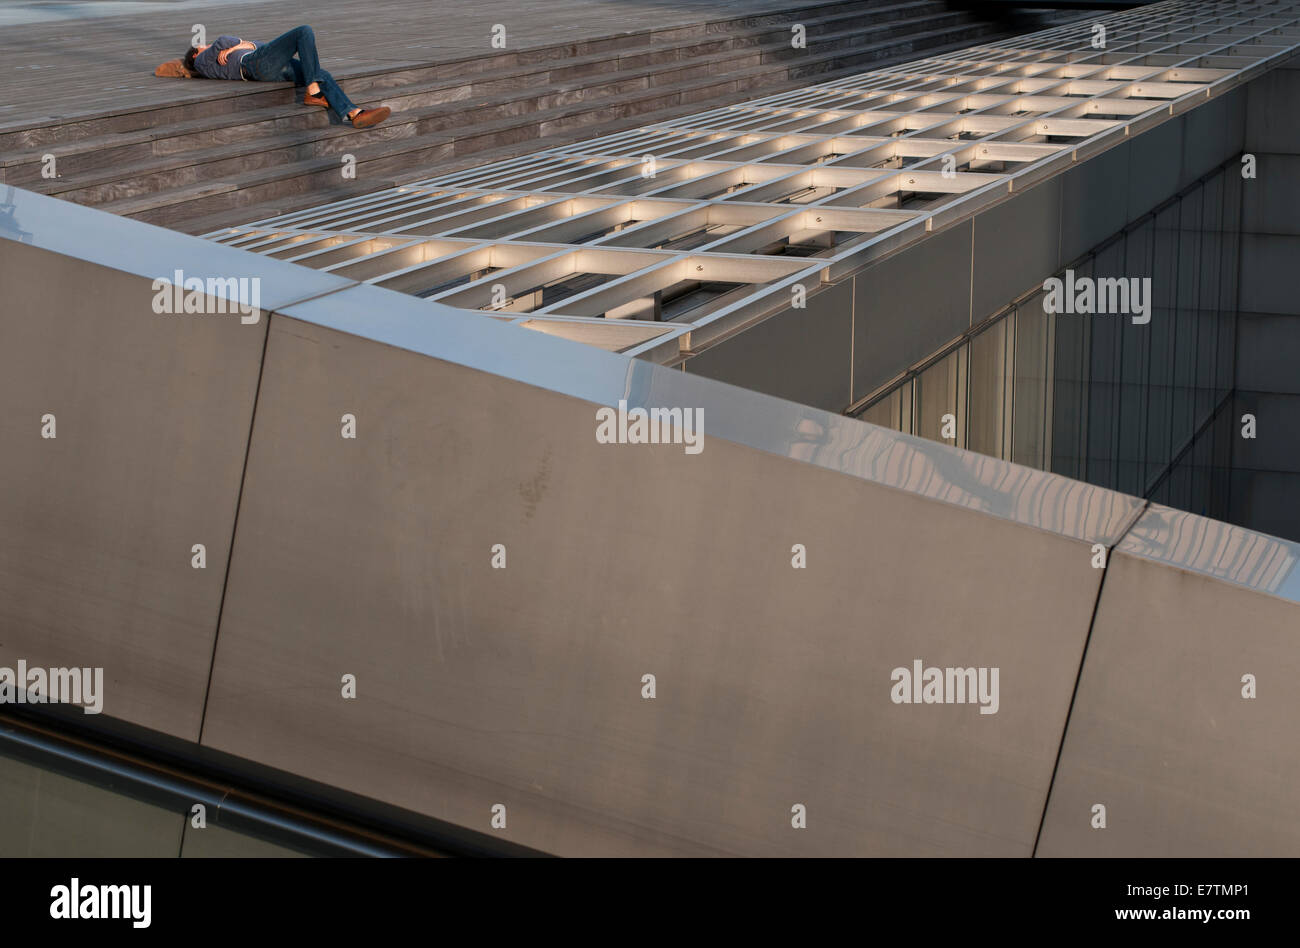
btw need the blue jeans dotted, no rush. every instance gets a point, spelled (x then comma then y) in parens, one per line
(274, 62)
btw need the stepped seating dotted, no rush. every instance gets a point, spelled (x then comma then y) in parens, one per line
(258, 152)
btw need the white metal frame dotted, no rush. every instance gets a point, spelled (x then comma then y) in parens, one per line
(800, 187)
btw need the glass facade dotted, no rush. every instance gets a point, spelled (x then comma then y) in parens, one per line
(51, 808)
(1136, 400)
(44, 813)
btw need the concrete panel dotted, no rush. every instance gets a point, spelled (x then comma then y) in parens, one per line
(1270, 124)
(794, 354)
(1270, 203)
(1213, 133)
(152, 414)
(1276, 445)
(1155, 158)
(522, 686)
(1160, 733)
(1268, 273)
(1268, 353)
(909, 305)
(1094, 196)
(1017, 246)
(1266, 501)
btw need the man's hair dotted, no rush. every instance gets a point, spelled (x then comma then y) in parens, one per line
(189, 58)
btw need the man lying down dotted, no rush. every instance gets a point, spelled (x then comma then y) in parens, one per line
(290, 57)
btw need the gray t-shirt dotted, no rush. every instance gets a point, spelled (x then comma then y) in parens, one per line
(206, 64)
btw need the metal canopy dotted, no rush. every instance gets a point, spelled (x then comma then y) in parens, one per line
(657, 241)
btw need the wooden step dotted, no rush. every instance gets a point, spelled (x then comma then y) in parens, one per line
(203, 98)
(138, 148)
(406, 159)
(466, 125)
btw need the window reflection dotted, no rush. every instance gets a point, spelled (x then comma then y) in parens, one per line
(1137, 408)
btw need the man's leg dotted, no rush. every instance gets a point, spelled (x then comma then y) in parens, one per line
(305, 37)
(270, 61)
(313, 88)
(335, 96)
(275, 62)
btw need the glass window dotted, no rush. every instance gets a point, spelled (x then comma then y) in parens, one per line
(1030, 385)
(938, 394)
(988, 406)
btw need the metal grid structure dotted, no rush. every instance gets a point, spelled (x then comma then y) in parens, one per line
(658, 241)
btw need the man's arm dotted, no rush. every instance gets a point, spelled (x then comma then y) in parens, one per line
(207, 59)
(225, 53)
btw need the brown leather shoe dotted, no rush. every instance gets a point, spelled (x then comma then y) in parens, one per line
(368, 117)
(317, 99)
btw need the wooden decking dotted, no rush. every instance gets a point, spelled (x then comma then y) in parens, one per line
(95, 65)
(195, 154)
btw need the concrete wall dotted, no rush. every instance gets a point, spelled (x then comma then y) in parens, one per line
(1266, 470)
(1162, 734)
(151, 419)
(522, 686)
